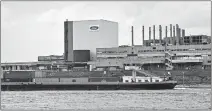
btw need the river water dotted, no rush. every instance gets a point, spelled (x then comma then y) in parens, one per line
(179, 98)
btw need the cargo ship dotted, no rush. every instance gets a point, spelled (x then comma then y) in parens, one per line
(140, 80)
(186, 59)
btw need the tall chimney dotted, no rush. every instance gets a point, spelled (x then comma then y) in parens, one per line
(178, 34)
(166, 39)
(183, 35)
(132, 37)
(149, 33)
(160, 34)
(154, 34)
(143, 35)
(174, 38)
(171, 38)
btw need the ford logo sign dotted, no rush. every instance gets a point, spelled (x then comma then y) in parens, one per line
(94, 28)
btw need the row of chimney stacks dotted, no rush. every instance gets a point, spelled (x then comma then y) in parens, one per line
(173, 38)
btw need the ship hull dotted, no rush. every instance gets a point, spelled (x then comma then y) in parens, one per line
(89, 86)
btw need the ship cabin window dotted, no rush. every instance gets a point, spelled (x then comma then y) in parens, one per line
(156, 80)
(209, 61)
(73, 80)
(139, 80)
(126, 81)
(146, 81)
(209, 55)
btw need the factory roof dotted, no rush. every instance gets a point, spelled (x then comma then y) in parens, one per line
(93, 20)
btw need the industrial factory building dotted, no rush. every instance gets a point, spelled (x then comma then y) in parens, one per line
(89, 35)
(172, 53)
(93, 45)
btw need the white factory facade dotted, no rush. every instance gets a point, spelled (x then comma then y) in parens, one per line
(89, 35)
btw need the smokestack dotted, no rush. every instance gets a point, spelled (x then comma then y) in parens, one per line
(178, 34)
(149, 33)
(143, 35)
(183, 32)
(171, 38)
(160, 34)
(166, 39)
(154, 34)
(183, 35)
(132, 37)
(174, 38)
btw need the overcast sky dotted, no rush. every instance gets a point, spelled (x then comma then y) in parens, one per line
(32, 29)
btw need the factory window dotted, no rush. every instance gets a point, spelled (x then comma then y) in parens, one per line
(209, 61)
(146, 81)
(139, 80)
(123, 52)
(209, 55)
(185, 49)
(156, 80)
(73, 80)
(111, 52)
(126, 81)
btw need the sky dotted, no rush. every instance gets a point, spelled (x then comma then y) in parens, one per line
(32, 29)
